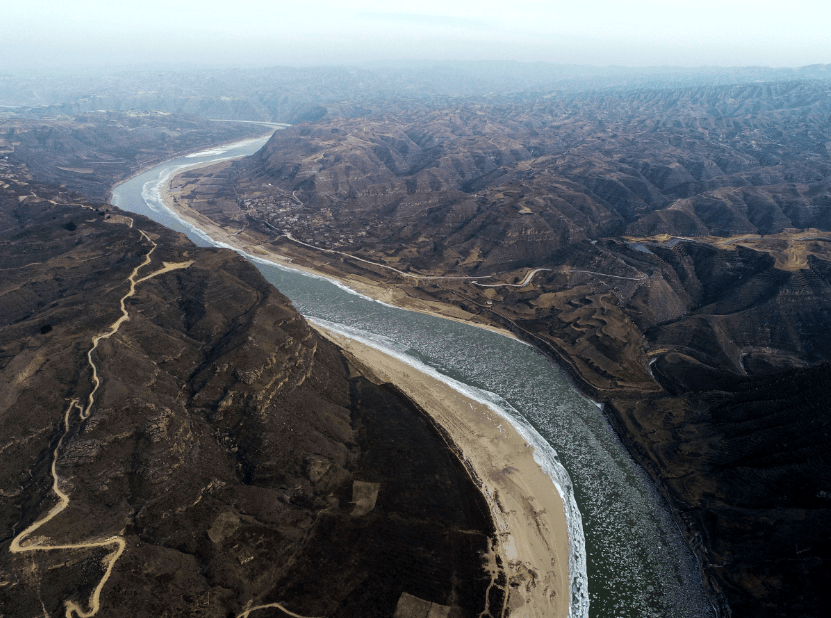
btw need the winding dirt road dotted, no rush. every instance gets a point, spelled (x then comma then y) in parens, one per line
(591, 272)
(521, 284)
(20, 544)
(109, 561)
(353, 257)
(277, 605)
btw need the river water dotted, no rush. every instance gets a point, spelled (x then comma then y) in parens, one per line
(628, 557)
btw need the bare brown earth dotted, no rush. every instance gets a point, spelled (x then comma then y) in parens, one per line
(791, 250)
(530, 518)
(252, 242)
(91, 152)
(681, 241)
(177, 441)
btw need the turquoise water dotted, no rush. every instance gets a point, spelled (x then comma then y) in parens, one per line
(628, 557)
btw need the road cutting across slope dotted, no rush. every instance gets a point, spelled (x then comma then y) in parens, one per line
(277, 605)
(19, 543)
(521, 284)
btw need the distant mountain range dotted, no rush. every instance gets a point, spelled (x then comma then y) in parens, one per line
(292, 95)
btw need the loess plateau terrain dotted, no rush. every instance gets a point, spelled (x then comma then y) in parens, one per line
(670, 247)
(91, 152)
(175, 440)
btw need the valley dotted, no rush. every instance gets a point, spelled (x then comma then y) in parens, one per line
(181, 440)
(89, 153)
(667, 247)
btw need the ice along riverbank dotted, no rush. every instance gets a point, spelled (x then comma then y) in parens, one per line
(634, 559)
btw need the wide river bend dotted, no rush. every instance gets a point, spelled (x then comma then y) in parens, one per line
(628, 557)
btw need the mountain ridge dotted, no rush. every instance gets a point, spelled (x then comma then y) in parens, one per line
(210, 433)
(669, 247)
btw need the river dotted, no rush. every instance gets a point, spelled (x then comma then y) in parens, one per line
(628, 558)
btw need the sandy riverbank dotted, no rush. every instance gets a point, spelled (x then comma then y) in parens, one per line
(254, 246)
(187, 153)
(526, 507)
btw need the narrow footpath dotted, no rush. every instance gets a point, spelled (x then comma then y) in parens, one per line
(118, 544)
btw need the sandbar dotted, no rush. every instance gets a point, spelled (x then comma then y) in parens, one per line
(527, 510)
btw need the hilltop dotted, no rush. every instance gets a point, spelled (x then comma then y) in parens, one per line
(177, 440)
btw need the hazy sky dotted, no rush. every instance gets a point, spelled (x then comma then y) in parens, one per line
(49, 34)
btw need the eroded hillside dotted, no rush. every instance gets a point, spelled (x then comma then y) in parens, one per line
(668, 246)
(177, 441)
(91, 152)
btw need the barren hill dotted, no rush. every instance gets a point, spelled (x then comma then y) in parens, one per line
(177, 441)
(670, 247)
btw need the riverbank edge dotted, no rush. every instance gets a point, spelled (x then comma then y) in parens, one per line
(183, 153)
(493, 321)
(365, 287)
(527, 510)
(550, 492)
(559, 358)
